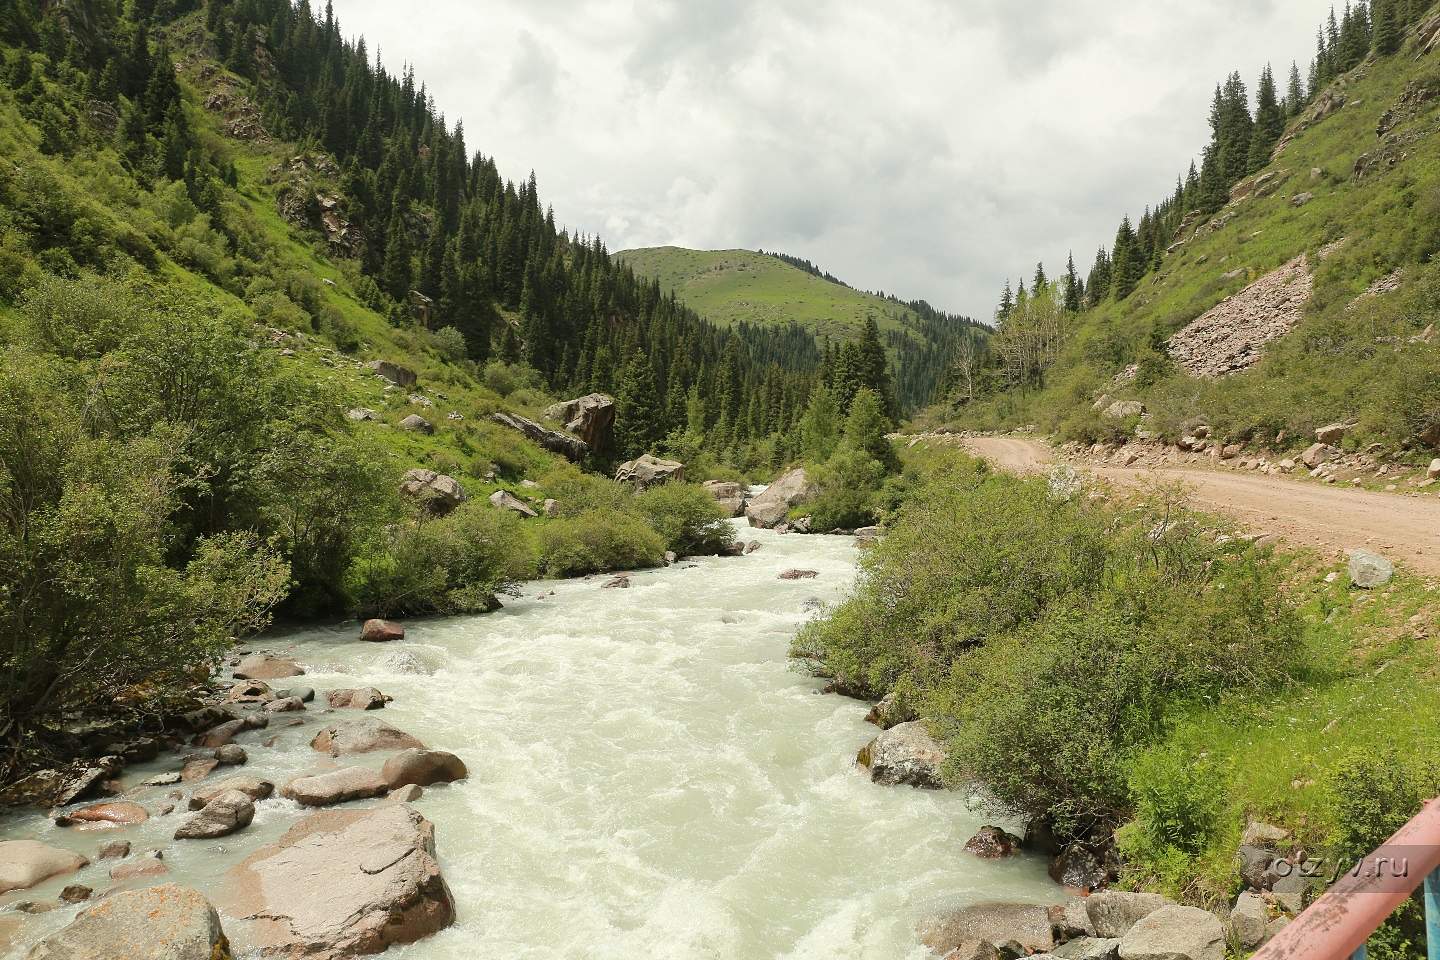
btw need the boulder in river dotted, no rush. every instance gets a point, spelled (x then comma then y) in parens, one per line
(221, 734)
(992, 843)
(1027, 924)
(362, 736)
(105, 816)
(381, 631)
(422, 768)
(356, 698)
(24, 863)
(341, 884)
(336, 786)
(798, 574)
(225, 814)
(729, 496)
(264, 666)
(889, 712)
(649, 471)
(904, 754)
(167, 922)
(252, 787)
(1370, 570)
(250, 691)
(284, 705)
(770, 508)
(1175, 933)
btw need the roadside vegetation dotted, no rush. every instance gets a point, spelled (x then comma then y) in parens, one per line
(1128, 672)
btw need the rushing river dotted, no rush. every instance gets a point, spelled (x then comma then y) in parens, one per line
(649, 778)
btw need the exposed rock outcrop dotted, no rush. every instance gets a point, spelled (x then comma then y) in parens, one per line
(775, 502)
(392, 372)
(1230, 337)
(167, 922)
(649, 471)
(571, 448)
(436, 492)
(591, 418)
(505, 500)
(341, 884)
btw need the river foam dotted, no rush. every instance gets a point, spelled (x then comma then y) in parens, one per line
(650, 777)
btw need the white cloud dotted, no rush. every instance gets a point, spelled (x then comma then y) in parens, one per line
(925, 147)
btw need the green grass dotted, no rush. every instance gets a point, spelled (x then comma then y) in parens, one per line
(741, 286)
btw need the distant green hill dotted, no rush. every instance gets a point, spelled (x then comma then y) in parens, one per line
(731, 287)
(735, 286)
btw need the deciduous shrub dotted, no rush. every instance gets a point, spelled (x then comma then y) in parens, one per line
(597, 541)
(687, 519)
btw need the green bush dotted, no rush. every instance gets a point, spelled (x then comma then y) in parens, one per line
(457, 564)
(687, 519)
(1050, 635)
(596, 541)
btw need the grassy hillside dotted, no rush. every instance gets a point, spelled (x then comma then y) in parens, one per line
(742, 286)
(1356, 189)
(191, 437)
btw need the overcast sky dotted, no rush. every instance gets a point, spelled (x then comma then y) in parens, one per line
(930, 149)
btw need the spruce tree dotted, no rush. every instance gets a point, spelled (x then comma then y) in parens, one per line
(1072, 285)
(1128, 263)
(1269, 122)
(1294, 91)
(1387, 31)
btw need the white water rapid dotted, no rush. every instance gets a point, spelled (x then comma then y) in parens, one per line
(649, 778)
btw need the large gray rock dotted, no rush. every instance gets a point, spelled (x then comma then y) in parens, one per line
(356, 698)
(1121, 409)
(336, 786)
(1318, 453)
(571, 448)
(422, 768)
(24, 863)
(729, 496)
(394, 372)
(252, 787)
(996, 923)
(1370, 570)
(649, 471)
(417, 424)
(1088, 948)
(264, 666)
(505, 500)
(436, 492)
(167, 922)
(591, 418)
(1248, 919)
(774, 503)
(1175, 933)
(225, 814)
(906, 753)
(1114, 912)
(362, 736)
(340, 884)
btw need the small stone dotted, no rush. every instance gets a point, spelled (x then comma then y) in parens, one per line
(114, 850)
(76, 893)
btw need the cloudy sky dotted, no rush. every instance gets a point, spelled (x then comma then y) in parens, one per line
(926, 148)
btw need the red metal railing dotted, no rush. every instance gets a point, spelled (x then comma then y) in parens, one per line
(1336, 926)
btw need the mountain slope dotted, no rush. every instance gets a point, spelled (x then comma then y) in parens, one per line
(1285, 344)
(744, 288)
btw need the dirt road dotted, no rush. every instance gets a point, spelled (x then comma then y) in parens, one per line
(1332, 519)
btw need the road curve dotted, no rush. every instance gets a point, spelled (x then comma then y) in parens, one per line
(1331, 519)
